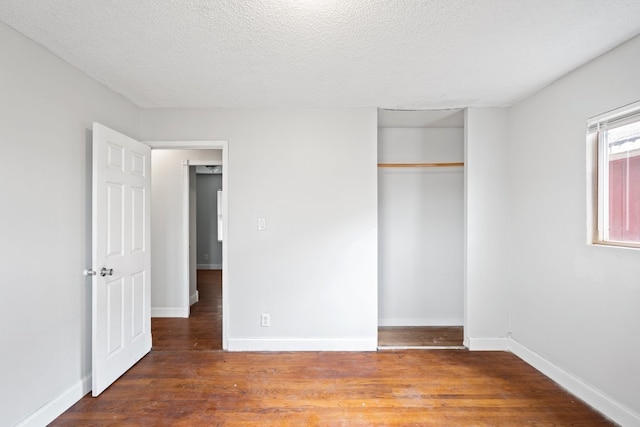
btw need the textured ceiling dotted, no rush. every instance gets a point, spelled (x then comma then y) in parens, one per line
(401, 54)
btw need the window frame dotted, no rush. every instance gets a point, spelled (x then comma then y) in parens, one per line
(598, 167)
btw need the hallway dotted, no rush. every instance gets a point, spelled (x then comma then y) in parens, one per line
(203, 329)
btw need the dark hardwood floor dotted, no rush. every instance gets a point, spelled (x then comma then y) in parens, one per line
(187, 381)
(203, 329)
(419, 336)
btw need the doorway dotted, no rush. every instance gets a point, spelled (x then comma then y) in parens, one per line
(171, 226)
(205, 251)
(208, 216)
(201, 328)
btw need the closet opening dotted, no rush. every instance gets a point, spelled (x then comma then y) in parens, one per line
(420, 229)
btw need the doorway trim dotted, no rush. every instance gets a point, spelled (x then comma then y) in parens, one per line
(206, 145)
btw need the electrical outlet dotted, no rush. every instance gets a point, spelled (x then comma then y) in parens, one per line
(206, 256)
(265, 320)
(262, 224)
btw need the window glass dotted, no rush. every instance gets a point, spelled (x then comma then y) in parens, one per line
(622, 153)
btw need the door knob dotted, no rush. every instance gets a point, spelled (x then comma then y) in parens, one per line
(106, 272)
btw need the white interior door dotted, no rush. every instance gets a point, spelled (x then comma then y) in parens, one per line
(121, 303)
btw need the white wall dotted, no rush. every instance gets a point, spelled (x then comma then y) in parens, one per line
(420, 225)
(487, 224)
(575, 304)
(168, 297)
(208, 186)
(46, 112)
(311, 173)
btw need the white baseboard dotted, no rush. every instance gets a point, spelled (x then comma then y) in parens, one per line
(284, 344)
(169, 312)
(453, 321)
(56, 407)
(195, 297)
(591, 395)
(209, 266)
(487, 344)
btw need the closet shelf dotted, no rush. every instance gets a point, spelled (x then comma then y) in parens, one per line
(420, 165)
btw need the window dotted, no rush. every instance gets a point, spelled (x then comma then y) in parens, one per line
(615, 139)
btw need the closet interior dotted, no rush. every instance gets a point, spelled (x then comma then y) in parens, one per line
(421, 225)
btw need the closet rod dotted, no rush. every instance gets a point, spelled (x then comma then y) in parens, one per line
(419, 165)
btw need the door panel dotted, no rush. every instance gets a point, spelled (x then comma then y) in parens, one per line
(115, 314)
(121, 327)
(137, 219)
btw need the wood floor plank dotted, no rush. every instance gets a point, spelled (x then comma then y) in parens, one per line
(185, 382)
(420, 336)
(203, 329)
